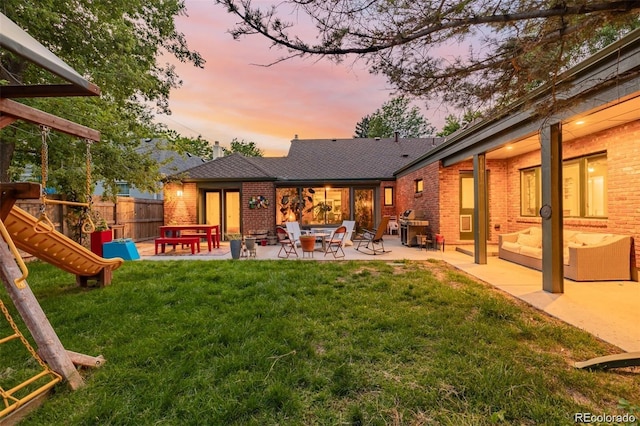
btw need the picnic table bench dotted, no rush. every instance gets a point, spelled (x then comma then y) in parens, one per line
(211, 232)
(194, 242)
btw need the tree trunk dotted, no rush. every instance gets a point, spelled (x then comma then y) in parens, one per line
(7, 147)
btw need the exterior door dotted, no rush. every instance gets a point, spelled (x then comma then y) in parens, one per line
(213, 207)
(232, 212)
(222, 208)
(467, 206)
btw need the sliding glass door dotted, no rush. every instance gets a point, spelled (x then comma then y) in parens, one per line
(222, 207)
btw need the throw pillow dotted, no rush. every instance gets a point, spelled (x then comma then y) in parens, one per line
(530, 240)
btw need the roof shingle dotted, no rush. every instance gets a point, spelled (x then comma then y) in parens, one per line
(321, 159)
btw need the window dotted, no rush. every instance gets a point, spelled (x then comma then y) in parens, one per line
(313, 205)
(584, 188)
(571, 199)
(419, 186)
(530, 191)
(123, 189)
(596, 191)
(388, 196)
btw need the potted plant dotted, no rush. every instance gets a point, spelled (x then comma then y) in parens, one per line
(235, 243)
(250, 243)
(102, 234)
(307, 242)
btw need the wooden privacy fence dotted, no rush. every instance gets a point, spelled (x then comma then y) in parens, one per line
(138, 218)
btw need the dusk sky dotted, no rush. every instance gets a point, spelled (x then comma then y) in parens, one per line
(235, 97)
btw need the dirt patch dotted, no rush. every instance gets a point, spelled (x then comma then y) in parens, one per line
(367, 271)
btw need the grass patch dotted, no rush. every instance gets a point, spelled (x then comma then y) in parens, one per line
(303, 343)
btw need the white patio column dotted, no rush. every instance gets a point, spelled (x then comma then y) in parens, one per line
(551, 210)
(480, 226)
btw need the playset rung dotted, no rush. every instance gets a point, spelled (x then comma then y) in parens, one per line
(45, 379)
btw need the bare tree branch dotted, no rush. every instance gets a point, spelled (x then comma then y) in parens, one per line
(513, 45)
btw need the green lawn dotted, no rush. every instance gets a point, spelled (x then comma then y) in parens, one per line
(305, 343)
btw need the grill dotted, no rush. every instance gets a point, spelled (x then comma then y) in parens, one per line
(410, 226)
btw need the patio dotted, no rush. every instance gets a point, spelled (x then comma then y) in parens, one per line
(607, 310)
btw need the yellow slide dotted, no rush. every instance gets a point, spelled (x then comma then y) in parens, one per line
(55, 248)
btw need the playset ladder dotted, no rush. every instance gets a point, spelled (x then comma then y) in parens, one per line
(29, 389)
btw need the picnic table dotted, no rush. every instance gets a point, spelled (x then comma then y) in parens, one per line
(210, 232)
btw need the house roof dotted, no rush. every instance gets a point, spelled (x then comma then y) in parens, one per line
(232, 167)
(352, 159)
(321, 160)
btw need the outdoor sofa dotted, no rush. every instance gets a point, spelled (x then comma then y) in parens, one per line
(587, 256)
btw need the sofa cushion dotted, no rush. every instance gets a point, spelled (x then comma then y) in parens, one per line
(530, 240)
(509, 246)
(569, 237)
(531, 251)
(590, 239)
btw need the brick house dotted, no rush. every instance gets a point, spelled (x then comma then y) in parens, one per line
(494, 176)
(490, 178)
(339, 179)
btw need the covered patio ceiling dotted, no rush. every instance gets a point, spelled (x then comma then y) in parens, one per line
(602, 92)
(602, 118)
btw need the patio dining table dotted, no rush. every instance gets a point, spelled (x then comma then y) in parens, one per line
(322, 236)
(211, 232)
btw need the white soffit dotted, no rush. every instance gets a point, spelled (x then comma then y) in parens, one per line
(576, 127)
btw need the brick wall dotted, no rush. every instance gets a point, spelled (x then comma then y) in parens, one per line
(180, 209)
(258, 218)
(498, 198)
(622, 145)
(426, 202)
(389, 210)
(440, 200)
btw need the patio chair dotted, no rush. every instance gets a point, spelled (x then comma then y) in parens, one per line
(293, 228)
(335, 243)
(287, 246)
(373, 239)
(393, 226)
(349, 224)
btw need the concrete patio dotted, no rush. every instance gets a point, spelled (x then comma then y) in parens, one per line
(607, 310)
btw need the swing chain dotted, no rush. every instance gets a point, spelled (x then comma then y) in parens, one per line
(25, 342)
(88, 177)
(88, 226)
(44, 152)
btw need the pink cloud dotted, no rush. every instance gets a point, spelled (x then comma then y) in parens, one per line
(233, 97)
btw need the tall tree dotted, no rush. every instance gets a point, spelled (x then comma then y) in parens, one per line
(362, 127)
(494, 50)
(118, 46)
(396, 115)
(453, 123)
(195, 146)
(246, 148)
